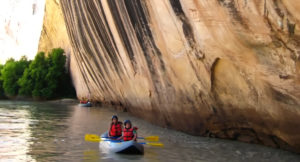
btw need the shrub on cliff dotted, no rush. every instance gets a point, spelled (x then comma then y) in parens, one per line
(32, 82)
(58, 78)
(1, 83)
(56, 70)
(10, 74)
(47, 77)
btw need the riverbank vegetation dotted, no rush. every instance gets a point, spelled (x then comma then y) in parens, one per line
(45, 77)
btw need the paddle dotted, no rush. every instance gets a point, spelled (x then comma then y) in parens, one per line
(150, 138)
(96, 138)
(153, 144)
(92, 138)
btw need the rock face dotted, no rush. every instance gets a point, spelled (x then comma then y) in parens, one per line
(218, 68)
(54, 33)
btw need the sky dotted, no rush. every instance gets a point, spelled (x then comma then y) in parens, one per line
(20, 28)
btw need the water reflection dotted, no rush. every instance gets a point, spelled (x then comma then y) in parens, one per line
(91, 155)
(49, 132)
(15, 135)
(48, 136)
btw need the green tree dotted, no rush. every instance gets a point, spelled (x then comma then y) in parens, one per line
(38, 72)
(58, 79)
(64, 86)
(26, 84)
(1, 83)
(56, 61)
(47, 77)
(10, 74)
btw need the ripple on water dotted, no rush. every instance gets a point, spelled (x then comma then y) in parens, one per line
(46, 132)
(14, 134)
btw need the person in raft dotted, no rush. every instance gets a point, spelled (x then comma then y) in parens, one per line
(115, 130)
(129, 132)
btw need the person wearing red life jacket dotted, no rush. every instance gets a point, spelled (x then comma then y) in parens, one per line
(83, 102)
(129, 132)
(115, 130)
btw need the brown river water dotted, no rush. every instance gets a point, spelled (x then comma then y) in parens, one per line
(35, 131)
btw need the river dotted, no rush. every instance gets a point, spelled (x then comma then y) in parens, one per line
(44, 131)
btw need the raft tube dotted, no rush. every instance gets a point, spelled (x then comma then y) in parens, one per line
(88, 104)
(124, 147)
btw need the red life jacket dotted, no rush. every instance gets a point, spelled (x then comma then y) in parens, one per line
(116, 130)
(128, 134)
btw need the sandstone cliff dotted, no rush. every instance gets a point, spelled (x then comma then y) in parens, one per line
(218, 68)
(54, 35)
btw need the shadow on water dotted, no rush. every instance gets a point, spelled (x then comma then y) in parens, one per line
(32, 131)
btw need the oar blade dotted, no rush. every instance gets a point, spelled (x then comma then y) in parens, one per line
(92, 138)
(152, 138)
(152, 144)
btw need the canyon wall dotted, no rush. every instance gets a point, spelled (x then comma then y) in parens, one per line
(217, 68)
(54, 35)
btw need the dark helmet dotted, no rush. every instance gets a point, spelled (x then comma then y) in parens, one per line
(114, 117)
(127, 121)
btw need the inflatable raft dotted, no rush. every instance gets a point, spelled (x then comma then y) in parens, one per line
(125, 147)
(88, 104)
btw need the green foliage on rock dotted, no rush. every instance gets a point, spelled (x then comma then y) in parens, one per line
(1, 83)
(58, 79)
(10, 74)
(45, 77)
(32, 82)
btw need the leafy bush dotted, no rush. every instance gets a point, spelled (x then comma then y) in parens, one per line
(45, 77)
(59, 81)
(10, 74)
(1, 83)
